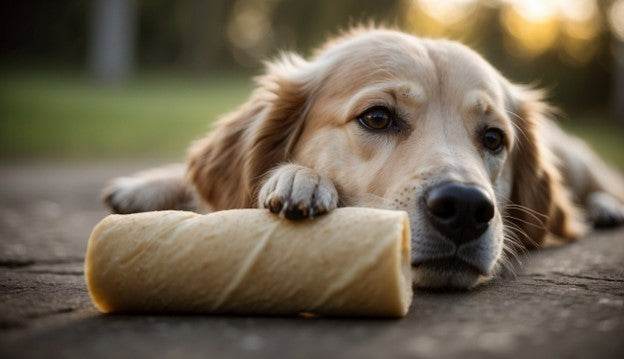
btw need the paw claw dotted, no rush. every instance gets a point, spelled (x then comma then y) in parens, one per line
(275, 204)
(320, 209)
(114, 201)
(294, 214)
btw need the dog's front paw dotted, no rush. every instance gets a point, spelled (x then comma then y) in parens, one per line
(297, 192)
(604, 210)
(152, 190)
(129, 195)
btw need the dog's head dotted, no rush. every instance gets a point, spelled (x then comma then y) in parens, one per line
(398, 122)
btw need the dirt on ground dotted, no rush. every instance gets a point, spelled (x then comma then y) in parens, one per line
(564, 302)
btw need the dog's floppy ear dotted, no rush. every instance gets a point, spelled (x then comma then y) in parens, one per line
(228, 164)
(540, 204)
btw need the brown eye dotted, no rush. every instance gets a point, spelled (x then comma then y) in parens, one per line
(493, 139)
(376, 118)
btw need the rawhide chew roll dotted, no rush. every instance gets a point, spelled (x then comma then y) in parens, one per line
(350, 262)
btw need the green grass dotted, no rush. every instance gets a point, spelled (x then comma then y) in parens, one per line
(66, 115)
(606, 138)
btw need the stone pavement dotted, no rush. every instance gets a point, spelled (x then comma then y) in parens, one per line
(565, 303)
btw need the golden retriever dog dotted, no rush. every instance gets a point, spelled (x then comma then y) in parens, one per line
(380, 118)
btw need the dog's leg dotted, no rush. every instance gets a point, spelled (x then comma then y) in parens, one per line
(295, 192)
(598, 187)
(155, 189)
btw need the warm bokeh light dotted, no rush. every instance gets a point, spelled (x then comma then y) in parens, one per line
(616, 19)
(537, 11)
(448, 12)
(455, 18)
(579, 10)
(530, 36)
(532, 27)
(249, 28)
(539, 25)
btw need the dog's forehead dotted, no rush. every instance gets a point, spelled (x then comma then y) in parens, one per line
(386, 55)
(376, 53)
(460, 67)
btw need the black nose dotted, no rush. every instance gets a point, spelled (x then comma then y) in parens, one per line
(459, 211)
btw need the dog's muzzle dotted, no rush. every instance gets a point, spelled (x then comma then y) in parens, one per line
(458, 211)
(458, 215)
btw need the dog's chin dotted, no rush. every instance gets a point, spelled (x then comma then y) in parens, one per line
(447, 274)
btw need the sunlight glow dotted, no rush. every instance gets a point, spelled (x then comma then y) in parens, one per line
(446, 18)
(535, 11)
(249, 29)
(531, 36)
(533, 27)
(539, 25)
(449, 11)
(616, 19)
(579, 10)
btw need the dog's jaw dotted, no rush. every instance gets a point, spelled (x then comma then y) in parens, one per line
(439, 263)
(443, 276)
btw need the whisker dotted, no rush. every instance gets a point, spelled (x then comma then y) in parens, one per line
(539, 226)
(527, 210)
(506, 267)
(517, 127)
(511, 250)
(516, 229)
(512, 237)
(513, 242)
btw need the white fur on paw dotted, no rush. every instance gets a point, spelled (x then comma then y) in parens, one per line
(151, 190)
(296, 192)
(129, 195)
(604, 210)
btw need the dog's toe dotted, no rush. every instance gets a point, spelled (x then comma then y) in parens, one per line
(274, 204)
(297, 192)
(297, 212)
(120, 195)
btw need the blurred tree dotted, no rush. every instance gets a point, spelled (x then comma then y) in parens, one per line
(617, 100)
(209, 35)
(112, 43)
(43, 33)
(187, 34)
(615, 16)
(302, 25)
(204, 43)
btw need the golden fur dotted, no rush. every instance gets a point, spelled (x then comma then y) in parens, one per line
(297, 148)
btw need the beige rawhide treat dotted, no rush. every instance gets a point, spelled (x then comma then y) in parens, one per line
(351, 262)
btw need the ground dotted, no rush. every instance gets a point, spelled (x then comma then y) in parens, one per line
(564, 302)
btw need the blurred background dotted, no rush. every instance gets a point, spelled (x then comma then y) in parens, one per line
(142, 78)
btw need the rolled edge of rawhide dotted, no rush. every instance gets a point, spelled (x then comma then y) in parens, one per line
(350, 262)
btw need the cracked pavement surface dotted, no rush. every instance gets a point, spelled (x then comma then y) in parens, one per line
(564, 302)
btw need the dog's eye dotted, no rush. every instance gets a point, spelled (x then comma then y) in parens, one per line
(493, 139)
(376, 118)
